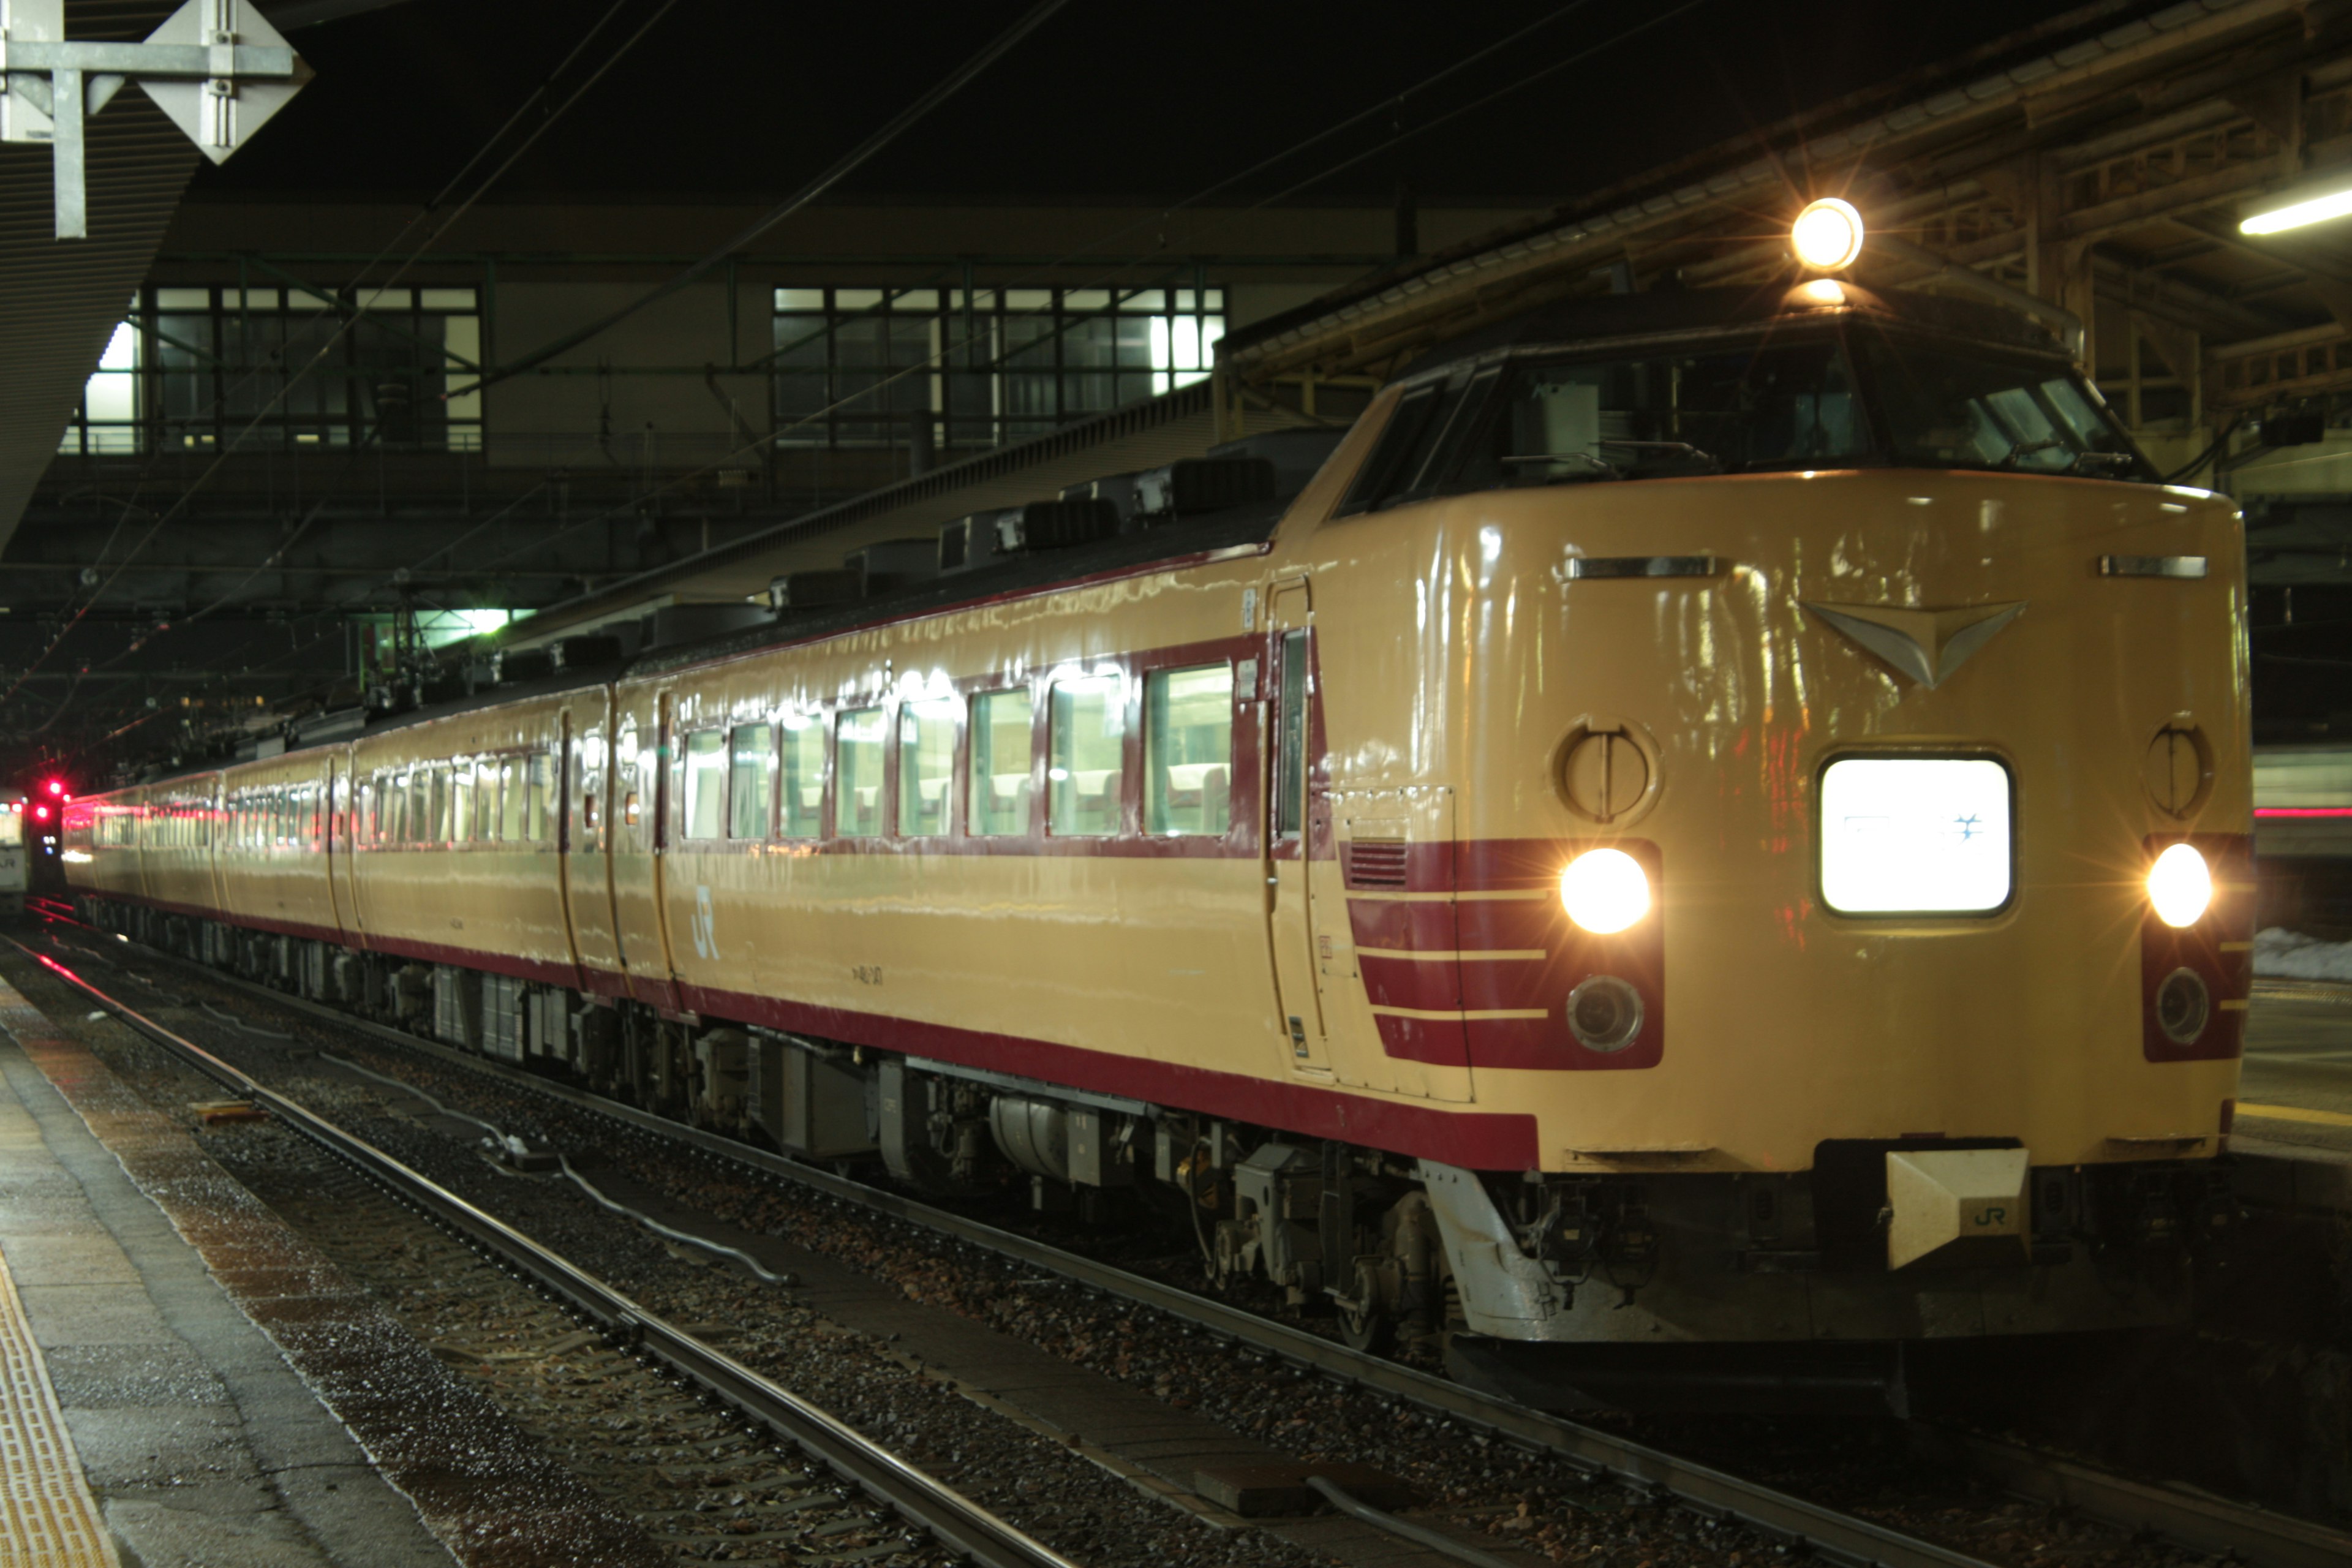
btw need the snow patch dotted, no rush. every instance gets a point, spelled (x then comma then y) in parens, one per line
(2290, 955)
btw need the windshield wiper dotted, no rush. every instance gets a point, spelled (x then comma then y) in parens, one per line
(1667, 448)
(1597, 470)
(2026, 449)
(2115, 462)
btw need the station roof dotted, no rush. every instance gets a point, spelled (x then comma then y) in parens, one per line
(2100, 160)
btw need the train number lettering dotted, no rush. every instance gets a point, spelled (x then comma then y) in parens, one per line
(867, 973)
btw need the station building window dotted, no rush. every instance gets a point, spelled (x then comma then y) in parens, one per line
(1188, 751)
(1002, 740)
(983, 367)
(861, 736)
(192, 367)
(1088, 719)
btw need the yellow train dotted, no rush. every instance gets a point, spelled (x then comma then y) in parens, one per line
(1713, 820)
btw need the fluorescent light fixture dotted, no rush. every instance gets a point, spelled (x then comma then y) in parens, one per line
(1915, 836)
(2303, 209)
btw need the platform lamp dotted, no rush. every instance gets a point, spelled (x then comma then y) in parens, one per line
(1828, 233)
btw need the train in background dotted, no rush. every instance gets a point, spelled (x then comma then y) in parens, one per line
(2302, 836)
(32, 828)
(1604, 867)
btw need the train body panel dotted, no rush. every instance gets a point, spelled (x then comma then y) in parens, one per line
(1848, 1021)
(270, 854)
(420, 890)
(1158, 942)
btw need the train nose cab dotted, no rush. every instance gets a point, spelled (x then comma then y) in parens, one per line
(1876, 726)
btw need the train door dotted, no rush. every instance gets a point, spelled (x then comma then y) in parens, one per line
(334, 805)
(588, 827)
(640, 746)
(1290, 828)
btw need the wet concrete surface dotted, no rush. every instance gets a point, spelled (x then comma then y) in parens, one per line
(199, 1442)
(234, 1398)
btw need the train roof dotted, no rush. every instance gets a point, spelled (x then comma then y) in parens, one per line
(1666, 315)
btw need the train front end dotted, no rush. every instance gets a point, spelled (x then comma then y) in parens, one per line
(1853, 864)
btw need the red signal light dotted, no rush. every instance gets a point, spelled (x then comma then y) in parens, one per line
(40, 814)
(57, 786)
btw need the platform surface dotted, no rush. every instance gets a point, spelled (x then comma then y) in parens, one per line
(2296, 1099)
(144, 1419)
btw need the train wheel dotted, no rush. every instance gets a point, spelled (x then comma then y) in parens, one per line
(1226, 1269)
(1364, 1327)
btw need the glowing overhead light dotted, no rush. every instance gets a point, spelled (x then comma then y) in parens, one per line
(1821, 291)
(2180, 886)
(1604, 890)
(2309, 206)
(1827, 235)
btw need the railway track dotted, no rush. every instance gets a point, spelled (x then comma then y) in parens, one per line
(2188, 1519)
(955, 1521)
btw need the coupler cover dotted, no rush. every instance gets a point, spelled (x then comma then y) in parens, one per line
(1957, 1206)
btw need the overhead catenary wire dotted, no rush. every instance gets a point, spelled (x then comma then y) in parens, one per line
(839, 170)
(1530, 79)
(947, 350)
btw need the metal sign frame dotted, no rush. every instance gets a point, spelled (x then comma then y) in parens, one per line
(216, 68)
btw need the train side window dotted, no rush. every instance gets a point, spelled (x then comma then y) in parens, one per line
(1188, 751)
(857, 774)
(512, 800)
(751, 781)
(926, 767)
(1291, 764)
(803, 779)
(461, 803)
(1003, 741)
(625, 772)
(441, 792)
(544, 806)
(706, 783)
(1089, 750)
(420, 806)
(486, 801)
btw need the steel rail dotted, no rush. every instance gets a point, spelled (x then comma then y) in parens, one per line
(2256, 1535)
(956, 1521)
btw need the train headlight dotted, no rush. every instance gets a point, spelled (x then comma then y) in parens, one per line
(2179, 886)
(1827, 235)
(1605, 890)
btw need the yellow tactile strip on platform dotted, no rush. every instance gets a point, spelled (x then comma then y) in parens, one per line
(48, 1517)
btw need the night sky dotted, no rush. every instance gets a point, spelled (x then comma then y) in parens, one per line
(1109, 99)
